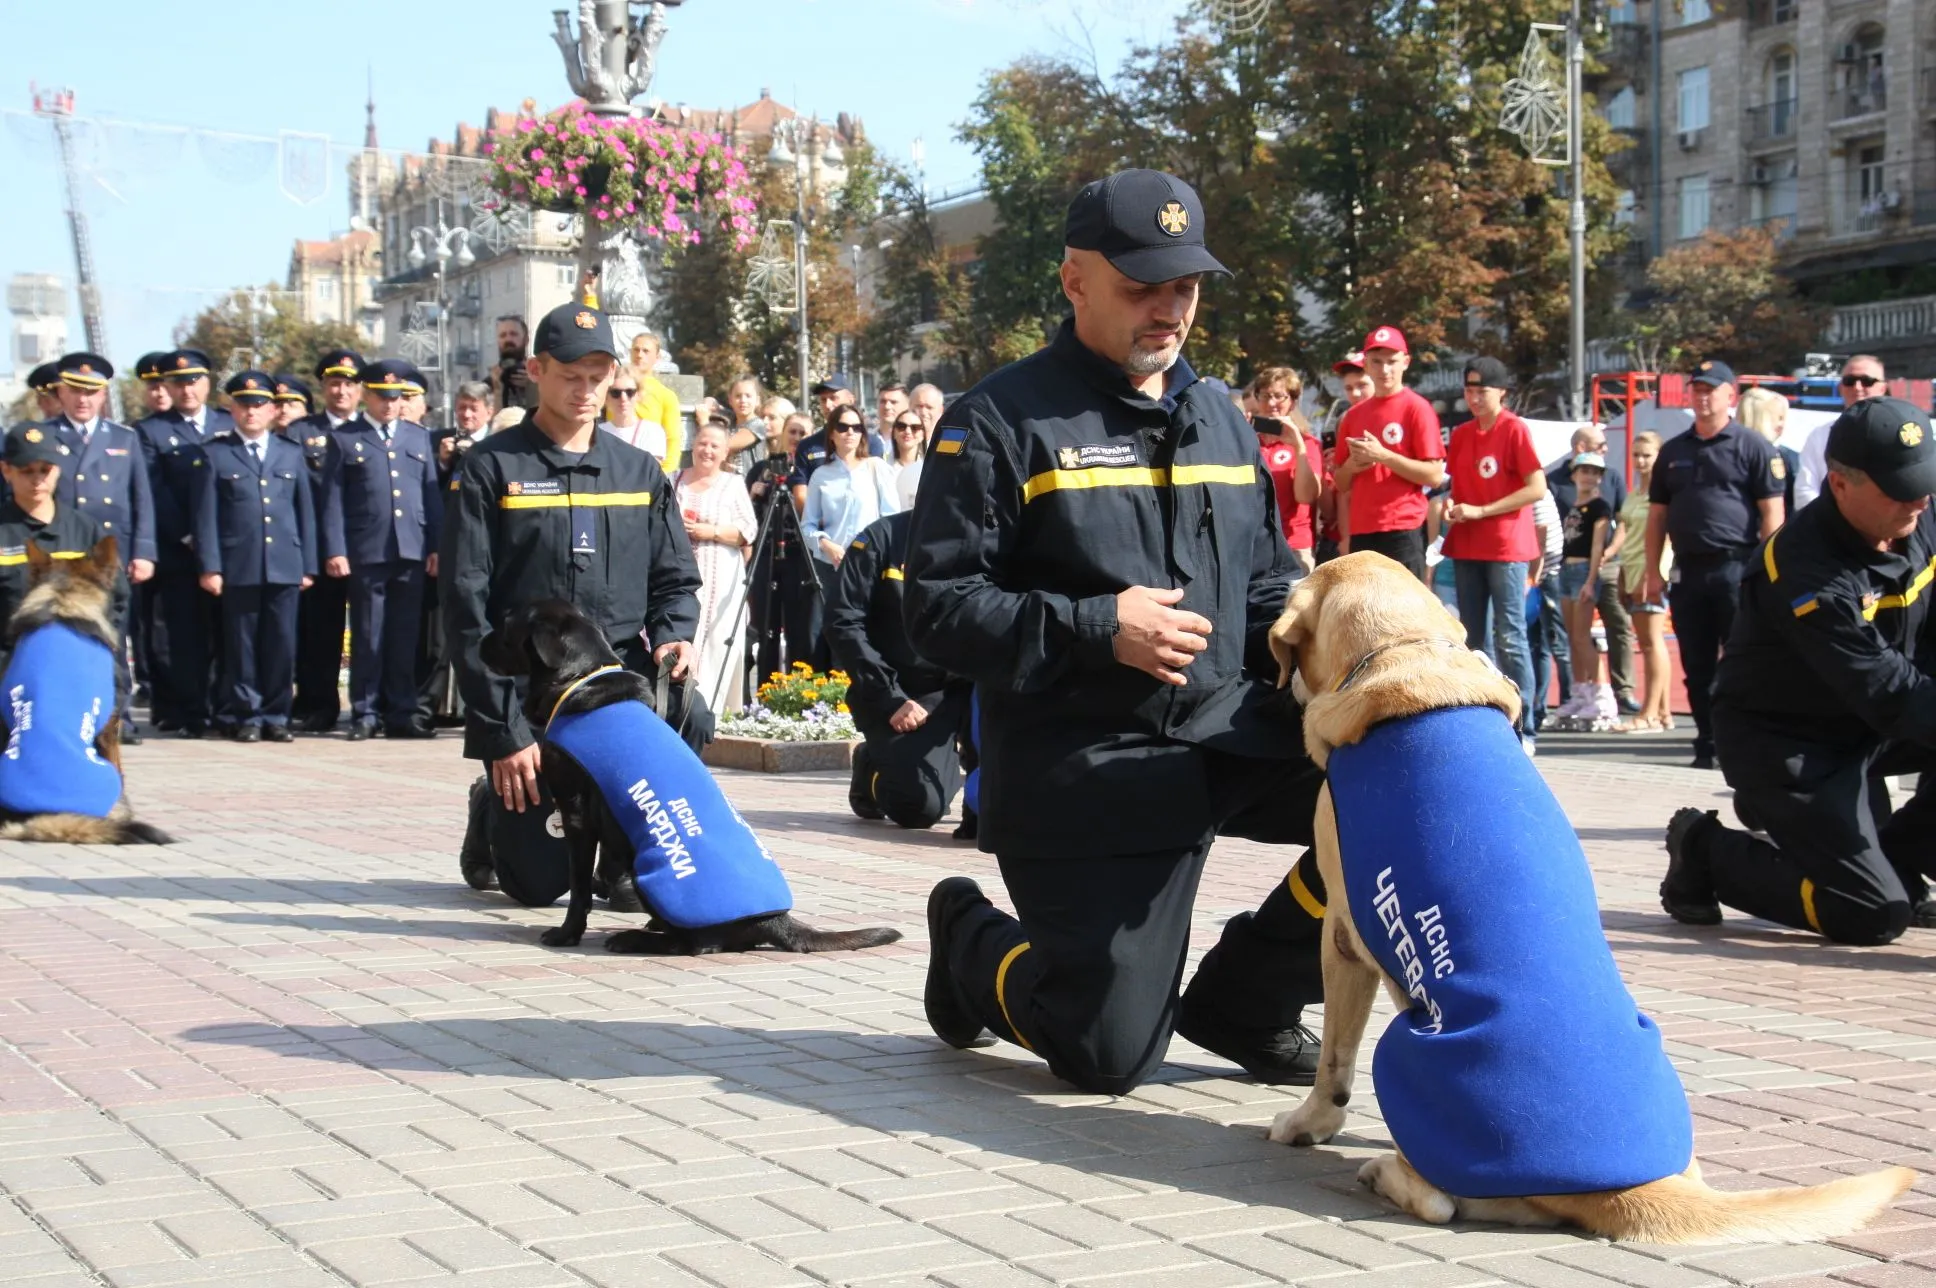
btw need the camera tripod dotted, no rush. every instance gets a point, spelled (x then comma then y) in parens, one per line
(779, 536)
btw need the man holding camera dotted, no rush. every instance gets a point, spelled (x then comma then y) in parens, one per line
(510, 383)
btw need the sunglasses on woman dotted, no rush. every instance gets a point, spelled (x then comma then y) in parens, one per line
(911, 426)
(622, 393)
(846, 427)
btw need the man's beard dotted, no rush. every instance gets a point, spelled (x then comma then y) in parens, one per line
(1152, 362)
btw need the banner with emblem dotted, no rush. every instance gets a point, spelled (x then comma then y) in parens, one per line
(304, 169)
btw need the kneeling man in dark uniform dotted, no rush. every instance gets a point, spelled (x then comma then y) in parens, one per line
(1097, 548)
(910, 711)
(1819, 697)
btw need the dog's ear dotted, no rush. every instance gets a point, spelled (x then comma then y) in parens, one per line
(547, 645)
(39, 562)
(1293, 626)
(103, 562)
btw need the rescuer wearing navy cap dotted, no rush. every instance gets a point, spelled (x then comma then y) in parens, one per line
(621, 555)
(1086, 515)
(1819, 698)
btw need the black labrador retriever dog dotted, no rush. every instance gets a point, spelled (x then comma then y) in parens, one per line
(555, 645)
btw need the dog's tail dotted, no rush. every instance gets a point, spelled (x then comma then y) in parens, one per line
(796, 936)
(1682, 1209)
(82, 829)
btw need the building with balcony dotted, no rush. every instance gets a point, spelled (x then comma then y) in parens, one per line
(1816, 118)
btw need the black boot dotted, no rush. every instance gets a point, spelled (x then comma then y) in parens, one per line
(970, 828)
(948, 1015)
(1687, 891)
(1279, 1056)
(860, 794)
(474, 857)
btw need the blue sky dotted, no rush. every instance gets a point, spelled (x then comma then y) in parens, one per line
(171, 220)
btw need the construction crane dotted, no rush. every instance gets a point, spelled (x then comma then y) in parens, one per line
(58, 107)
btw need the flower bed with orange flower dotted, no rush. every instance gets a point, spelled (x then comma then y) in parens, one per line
(801, 705)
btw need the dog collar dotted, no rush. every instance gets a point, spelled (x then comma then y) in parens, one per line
(576, 685)
(1358, 668)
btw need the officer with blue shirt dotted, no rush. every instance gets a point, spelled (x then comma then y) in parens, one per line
(382, 513)
(105, 479)
(323, 610)
(255, 532)
(1716, 494)
(181, 616)
(155, 398)
(292, 401)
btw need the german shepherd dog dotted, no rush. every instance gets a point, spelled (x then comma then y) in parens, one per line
(556, 646)
(1363, 644)
(78, 594)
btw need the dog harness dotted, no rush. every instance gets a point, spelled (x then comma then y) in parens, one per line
(1523, 1065)
(59, 691)
(697, 862)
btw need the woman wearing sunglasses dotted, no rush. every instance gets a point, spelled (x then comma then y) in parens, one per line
(909, 438)
(622, 417)
(847, 493)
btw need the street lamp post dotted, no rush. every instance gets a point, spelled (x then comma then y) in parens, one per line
(1534, 111)
(446, 244)
(793, 139)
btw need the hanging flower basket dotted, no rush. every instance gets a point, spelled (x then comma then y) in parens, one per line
(619, 172)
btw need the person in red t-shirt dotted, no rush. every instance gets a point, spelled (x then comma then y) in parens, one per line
(1496, 478)
(1292, 456)
(1389, 455)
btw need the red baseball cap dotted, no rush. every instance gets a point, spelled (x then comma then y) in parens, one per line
(1386, 337)
(1353, 361)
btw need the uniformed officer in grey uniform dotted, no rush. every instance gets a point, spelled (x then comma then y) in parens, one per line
(1096, 546)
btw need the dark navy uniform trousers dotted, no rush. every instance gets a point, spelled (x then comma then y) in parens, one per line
(386, 611)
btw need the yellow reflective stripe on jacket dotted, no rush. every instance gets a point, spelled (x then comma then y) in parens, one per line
(1768, 557)
(525, 502)
(10, 561)
(1135, 476)
(893, 574)
(1908, 596)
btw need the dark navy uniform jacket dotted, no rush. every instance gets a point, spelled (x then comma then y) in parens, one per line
(106, 478)
(381, 503)
(528, 521)
(1821, 666)
(255, 522)
(1050, 487)
(68, 535)
(866, 629)
(173, 451)
(1711, 487)
(311, 433)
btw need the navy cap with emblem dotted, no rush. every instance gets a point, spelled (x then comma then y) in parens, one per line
(185, 364)
(388, 376)
(152, 366)
(413, 378)
(85, 371)
(251, 387)
(1146, 223)
(45, 378)
(1890, 441)
(573, 331)
(28, 444)
(1712, 373)
(290, 389)
(339, 362)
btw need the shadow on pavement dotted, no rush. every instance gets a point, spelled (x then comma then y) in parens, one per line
(1747, 941)
(250, 889)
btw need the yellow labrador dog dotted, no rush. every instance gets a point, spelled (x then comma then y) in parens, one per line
(1519, 1080)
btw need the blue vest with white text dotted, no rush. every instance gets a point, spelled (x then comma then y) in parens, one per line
(1524, 1065)
(58, 693)
(697, 862)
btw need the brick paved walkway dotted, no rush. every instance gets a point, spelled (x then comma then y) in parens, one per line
(293, 1050)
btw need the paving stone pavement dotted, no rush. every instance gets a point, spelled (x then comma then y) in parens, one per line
(294, 1050)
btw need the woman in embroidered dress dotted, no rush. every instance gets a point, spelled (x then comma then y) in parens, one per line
(720, 523)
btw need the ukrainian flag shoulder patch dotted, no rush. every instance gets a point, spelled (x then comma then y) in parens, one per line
(949, 442)
(1804, 605)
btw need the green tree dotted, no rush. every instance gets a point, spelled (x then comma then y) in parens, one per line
(235, 334)
(1724, 297)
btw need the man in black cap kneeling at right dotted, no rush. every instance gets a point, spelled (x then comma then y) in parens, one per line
(1819, 697)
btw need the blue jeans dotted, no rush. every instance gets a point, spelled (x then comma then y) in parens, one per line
(1550, 651)
(1498, 589)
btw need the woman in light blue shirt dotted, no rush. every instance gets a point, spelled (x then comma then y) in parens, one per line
(847, 493)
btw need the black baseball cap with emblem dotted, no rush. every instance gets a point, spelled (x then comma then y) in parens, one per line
(290, 389)
(1890, 441)
(30, 444)
(251, 387)
(45, 378)
(1148, 224)
(339, 362)
(573, 331)
(1713, 373)
(85, 371)
(185, 364)
(152, 366)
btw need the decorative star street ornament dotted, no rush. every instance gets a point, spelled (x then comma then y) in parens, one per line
(769, 275)
(1535, 102)
(1240, 17)
(418, 343)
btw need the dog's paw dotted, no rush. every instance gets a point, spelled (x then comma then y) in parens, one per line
(1308, 1124)
(1390, 1180)
(561, 937)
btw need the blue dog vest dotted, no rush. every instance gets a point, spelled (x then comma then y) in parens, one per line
(1523, 1066)
(697, 862)
(59, 689)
